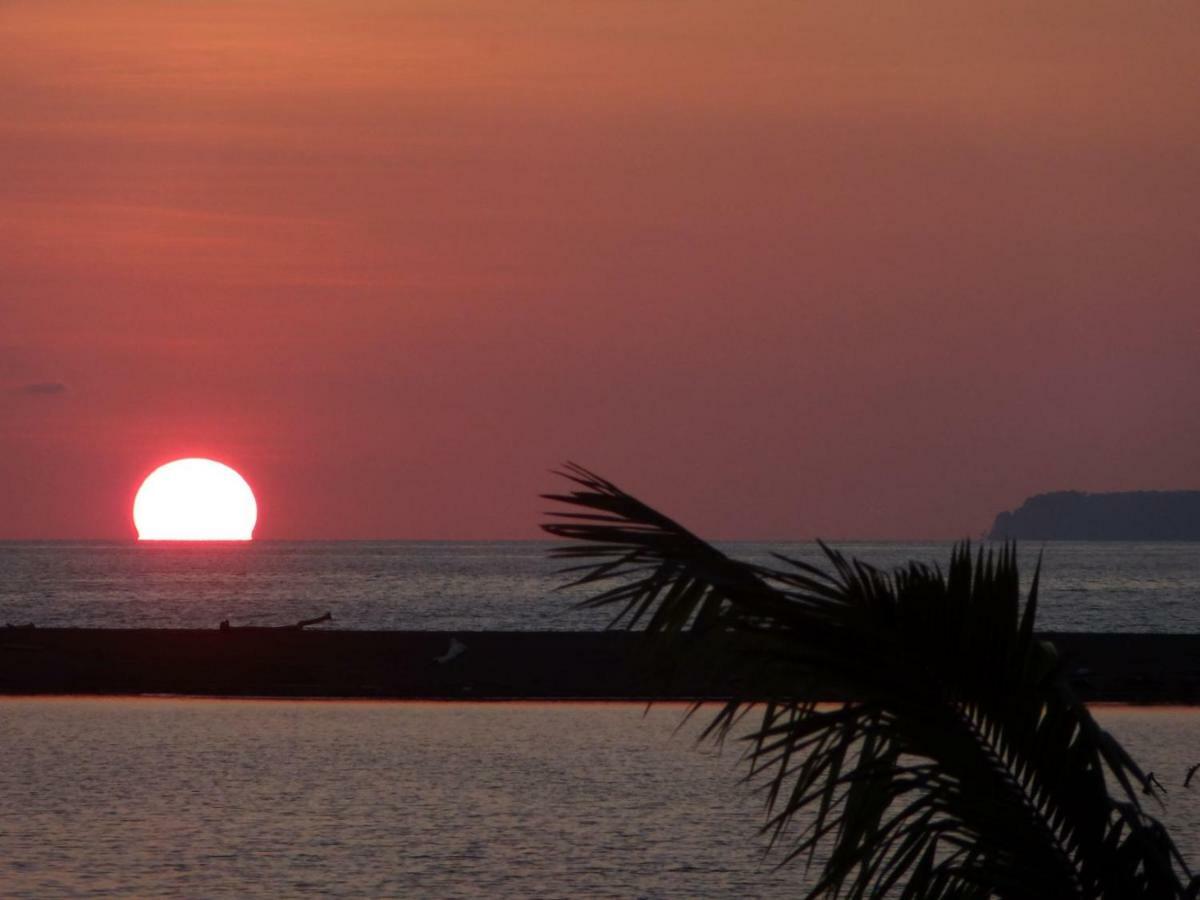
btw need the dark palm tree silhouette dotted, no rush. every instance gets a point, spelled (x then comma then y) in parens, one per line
(964, 765)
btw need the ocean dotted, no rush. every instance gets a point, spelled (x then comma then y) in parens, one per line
(139, 797)
(480, 586)
(234, 798)
(172, 797)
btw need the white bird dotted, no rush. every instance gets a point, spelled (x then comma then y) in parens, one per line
(457, 648)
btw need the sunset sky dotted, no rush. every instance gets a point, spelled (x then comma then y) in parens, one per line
(786, 270)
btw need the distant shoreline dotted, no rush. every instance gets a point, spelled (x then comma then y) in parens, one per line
(489, 665)
(1161, 516)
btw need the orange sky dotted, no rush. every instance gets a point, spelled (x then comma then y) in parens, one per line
(785, 269)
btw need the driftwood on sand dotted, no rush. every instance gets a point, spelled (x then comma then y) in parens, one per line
(303, 623)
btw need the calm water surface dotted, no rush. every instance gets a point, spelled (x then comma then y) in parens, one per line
(185, 798)
(495, 585)
(188, 798)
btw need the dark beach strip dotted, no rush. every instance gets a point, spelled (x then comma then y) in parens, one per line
(491, 665)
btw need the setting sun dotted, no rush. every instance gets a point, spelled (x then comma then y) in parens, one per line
(194, 500)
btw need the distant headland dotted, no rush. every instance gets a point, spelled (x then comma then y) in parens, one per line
(1080, 516)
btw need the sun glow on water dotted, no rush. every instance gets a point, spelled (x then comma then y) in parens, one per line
(194, 500)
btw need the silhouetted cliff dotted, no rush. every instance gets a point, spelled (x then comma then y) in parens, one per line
(1078, 516)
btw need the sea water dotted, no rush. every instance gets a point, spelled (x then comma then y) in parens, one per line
(139, 797)
(223, 798)
(1149, 587)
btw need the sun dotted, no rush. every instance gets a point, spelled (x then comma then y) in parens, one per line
(194, 500)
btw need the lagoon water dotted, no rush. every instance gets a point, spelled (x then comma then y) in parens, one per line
(497, 585)
(219, 798)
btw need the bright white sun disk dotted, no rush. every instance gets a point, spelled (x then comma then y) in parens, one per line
(194, 500)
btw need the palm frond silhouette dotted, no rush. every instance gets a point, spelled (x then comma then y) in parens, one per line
(962, 764)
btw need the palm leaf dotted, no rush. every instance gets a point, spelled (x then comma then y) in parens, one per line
(964, 765)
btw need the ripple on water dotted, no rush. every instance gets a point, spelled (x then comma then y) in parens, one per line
(140, 797)
(497, 585)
